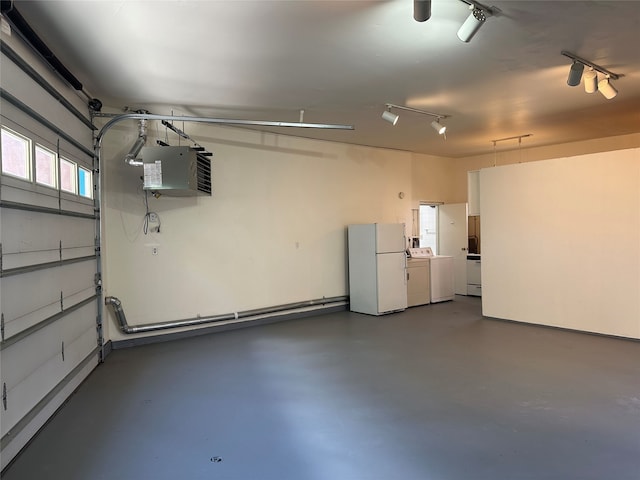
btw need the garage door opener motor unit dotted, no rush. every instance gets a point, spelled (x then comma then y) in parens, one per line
(176, 171)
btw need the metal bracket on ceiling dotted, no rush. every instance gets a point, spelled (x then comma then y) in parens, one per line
(479, 6)
(594, 66)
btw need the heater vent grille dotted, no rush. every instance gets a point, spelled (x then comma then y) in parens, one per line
(203, 174)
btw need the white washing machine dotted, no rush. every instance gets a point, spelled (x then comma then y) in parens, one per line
(441, 274)
(442, 279)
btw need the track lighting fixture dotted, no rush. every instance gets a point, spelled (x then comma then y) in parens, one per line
(421, 10)
(474, 21)
(591, 83)
(575, 74)
(438, 127)
(392, 118)
(606, 89)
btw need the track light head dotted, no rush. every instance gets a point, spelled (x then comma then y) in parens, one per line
(590, 81)
(472, 24)
(606, 89)
(421, 10)
(390, 117)
(575, 73)
(438, 127)
(393, 118)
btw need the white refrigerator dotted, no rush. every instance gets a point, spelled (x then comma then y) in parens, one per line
(377, 268)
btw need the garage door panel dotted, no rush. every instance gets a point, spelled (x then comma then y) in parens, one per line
(22, 397)
(13, 191)
(49, 262)
(78, 252)
(38, 348)
(78, 205)
(25, 89)
(31, 238)
(46, 314)
(13, 259)
(35, 296)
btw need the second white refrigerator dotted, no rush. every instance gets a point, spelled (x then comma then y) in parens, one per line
(377, 268)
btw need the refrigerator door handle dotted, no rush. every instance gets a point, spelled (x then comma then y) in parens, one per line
(406, 270)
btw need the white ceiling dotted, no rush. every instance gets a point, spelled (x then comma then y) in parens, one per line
(343, 61)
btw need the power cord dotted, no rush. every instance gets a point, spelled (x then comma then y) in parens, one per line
(149, 217)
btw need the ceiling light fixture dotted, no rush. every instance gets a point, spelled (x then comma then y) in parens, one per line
(474, 21)
(606, 89)
(421, 10)
(575, 74)
(438, 127)
(591, 83)
(590, 78)
(389, 116)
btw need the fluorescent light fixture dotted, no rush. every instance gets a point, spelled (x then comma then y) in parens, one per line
(438, 127)
(606, 89)
(590, 81)
(390, 117)
(575, 74)
(472, 24)
(421, 10)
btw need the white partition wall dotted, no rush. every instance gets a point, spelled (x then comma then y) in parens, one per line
(561, 242)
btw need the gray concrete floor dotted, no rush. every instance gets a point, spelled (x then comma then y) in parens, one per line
(435, 392)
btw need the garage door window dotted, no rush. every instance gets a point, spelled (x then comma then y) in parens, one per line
(15, 155)
(68, 181)
(85, 183)
(45, 167)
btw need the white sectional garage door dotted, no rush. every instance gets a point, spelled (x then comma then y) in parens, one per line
(49, 250)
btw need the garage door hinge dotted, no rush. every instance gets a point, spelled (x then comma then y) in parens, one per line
(62, 351)
(4, 395)
(0, 257)
(97, 279)
(61, 302)
(2, 325)
(60, 250)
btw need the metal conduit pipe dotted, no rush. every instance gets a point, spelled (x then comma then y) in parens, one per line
(130, 157)
(190, 322)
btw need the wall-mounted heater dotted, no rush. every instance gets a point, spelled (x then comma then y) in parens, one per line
(176, 171)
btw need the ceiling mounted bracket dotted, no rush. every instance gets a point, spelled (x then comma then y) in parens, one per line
(519, 137)
(597, 68)
(479, 6)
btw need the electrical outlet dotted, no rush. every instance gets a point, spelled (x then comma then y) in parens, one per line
(154, 250)
(153, 217)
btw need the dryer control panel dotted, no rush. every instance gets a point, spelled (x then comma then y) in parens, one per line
(423, 252)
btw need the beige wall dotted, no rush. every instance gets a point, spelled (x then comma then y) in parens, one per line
(505, 156)
(432, 179)
(272, 233)
(274, 230)
(561, 242)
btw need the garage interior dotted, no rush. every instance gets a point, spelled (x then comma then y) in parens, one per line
(204, 330)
